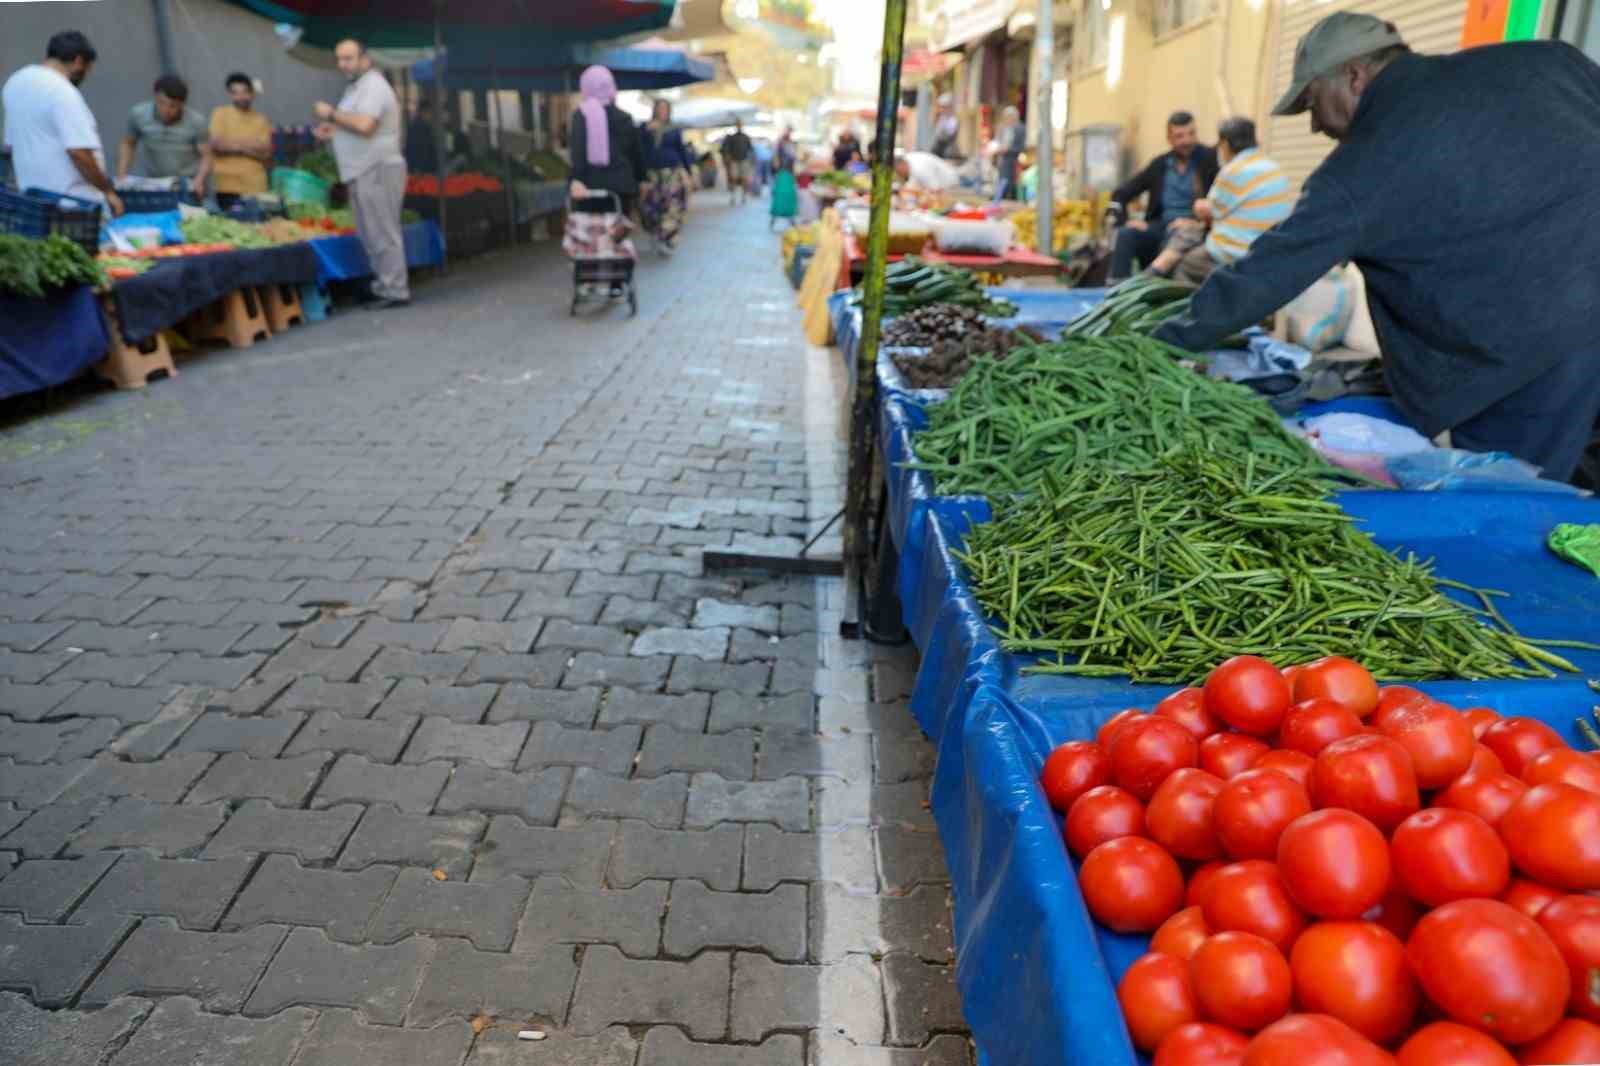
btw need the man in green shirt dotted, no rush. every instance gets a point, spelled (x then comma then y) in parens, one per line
(170, 140)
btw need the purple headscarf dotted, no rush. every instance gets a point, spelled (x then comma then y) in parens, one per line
(599, 88)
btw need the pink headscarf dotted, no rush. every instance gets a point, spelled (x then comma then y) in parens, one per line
(599, 88)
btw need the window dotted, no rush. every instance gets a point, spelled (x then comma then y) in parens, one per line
(1096, 41)
(1173, 15)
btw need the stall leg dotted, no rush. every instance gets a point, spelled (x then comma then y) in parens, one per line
(129, 366)
(882, 622)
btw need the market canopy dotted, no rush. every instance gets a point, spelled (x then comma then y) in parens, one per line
(710, 112)
(555, 68)
(412, 23)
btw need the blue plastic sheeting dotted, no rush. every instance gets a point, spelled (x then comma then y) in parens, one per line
(343, 258)
(556, 68)
(49, 341)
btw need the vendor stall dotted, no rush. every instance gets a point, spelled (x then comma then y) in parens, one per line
(342, 258)
(48, 341)
(1016, 262)
(177, 287)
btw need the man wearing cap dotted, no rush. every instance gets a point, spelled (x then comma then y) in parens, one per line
(946, 128)
(1462, 186)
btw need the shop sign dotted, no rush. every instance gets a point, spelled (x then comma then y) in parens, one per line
(960, 21)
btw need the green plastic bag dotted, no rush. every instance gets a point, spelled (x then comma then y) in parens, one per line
(1577, 544)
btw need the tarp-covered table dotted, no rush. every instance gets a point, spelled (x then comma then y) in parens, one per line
(49, 341)
(343, 258)
(175, 288)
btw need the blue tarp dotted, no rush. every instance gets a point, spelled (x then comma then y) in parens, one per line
(554, 68)
(49, 341)
(343, 258)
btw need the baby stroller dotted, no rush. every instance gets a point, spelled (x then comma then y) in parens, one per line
(602, 252)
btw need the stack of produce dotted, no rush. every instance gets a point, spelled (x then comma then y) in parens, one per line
(1138, 305)
(454, 185)
(320, 164)
(118, 267)
(31, 267)
(1072, 221)
(912, 283)
(947, 361)
(217, 230)
(327, 220)
(927, 326)
(1364, 869)
(795, 236)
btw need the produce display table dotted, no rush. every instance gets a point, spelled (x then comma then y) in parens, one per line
(343, 258)
(1018, 262)
(175, 288)
(49, 341)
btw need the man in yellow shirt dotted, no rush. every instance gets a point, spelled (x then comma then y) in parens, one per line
(241, 143)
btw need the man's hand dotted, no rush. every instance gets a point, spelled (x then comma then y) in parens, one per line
(578, 190)
(197, 185)
(1137, 223)
(114, 202)
(324, 131)
(1203, 209)
(323, 110)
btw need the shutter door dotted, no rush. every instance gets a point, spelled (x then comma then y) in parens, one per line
(1431, 26)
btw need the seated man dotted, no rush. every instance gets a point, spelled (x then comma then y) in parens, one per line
(1249, 197)
(1172, 181)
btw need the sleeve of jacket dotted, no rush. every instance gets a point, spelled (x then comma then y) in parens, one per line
(1139, 184)
(1283, 262)
(578, 148)
(1208, 169)
(679, 149)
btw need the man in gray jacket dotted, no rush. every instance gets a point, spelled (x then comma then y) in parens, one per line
(1458, 186)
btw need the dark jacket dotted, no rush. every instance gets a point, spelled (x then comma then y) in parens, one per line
(1153, 179)
(626, 168)
(737, 147)
(1465, 191)
(664, 152)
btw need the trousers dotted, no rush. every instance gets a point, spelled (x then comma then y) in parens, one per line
(376, 197)
(1141, 244)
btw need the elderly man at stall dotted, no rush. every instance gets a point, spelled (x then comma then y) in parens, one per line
(1172, 182)
(169, 139)
(1482, 299)
(946, 128)
(365, 131)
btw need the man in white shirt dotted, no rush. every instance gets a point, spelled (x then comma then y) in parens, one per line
(365, 131)
(52, 134)
(926, 171)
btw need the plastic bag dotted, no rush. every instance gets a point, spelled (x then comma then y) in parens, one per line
(1317, 318)
(1579, 545)
(973, 238)
(167, 223)
(1451, 468)
(1349, 432)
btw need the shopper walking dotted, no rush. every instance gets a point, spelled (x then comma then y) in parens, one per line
(606, 152)
(737, 152)
(664, 196)
(785, 202)
(52, 134)
(365, 131)
(1010, 140)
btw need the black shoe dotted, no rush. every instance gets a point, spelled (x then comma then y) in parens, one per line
(387, 304)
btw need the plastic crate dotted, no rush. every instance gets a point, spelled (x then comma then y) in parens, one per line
(37, 213)
(315, 302)
(300, 187)
(148, 201)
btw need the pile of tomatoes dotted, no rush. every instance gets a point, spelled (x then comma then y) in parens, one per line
(1338, 874)
(455, 185)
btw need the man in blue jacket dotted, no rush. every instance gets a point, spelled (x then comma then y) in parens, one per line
(1461, 186)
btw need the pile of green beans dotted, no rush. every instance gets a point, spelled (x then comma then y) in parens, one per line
(1124, 401)
(1161, 573)
(1138, 306)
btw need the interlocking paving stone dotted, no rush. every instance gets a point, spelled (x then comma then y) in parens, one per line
(356, 779)
(903, 758)
(665, 1046)
(236, 776)
(525, 703)
(842, 856)
(560, 912)
(841, 803)
(491, 607)
(540, 670)
(710, 612)
(44, 890)
(177, 1031)
(305, 661)
(98, 699)
(515, 989)
(785, 803)
(121, 670)
(558, 633)
(921, 999)
(613, 988)
(845, 999)
(629, 612)
(597, 794)
(708, 643)
(311, 970)
(258, 827)
(355, 699)
(699, 918)
(386, 835)
(343, 1039)
(54, 961)
(514, 848)
(642, 671)
(416, 636)
(460, 703)
(379, 739)
(492, 745)
(686, 712)
(470, 634)
(218, 969)
(171, 830)
(29, 703)
(485, 912)
(908, 858)
(667, 749)
(846, 757)
(550, 744)
(190, 668)
(217, 731)
(828, 1049)
(195, 892)
(337, 901)
(62, 739)
(696, 675)
(644, 852)
(500, 1047)
(48, 829)
(430, 666)
(32, 1036)
(534, 795)
(918, 923)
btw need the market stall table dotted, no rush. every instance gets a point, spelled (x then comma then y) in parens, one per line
(175, 288)
(1018, 262)
(343, 258)
(49, 341)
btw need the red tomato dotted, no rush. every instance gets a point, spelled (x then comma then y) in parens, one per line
(1451, 1044)
(1488, 795)
(1369, 775)
(1201, 1044)
(1187, 707)
(1249, 694)
(1334, 863)
(1573, 923)
(1156, 998)
(1241, 981)
(1131, 885)
(1102, 814)
(1490, 967)
(1146, 750)
(1071, 770)
(1398, 913)
(1479, 718)
(1436, 737)
(1357, 972)
(1573, 1041)
(1483, 761)
(1228, 754)
(1529, 897)
(1341, 680)
(1249, 897)
(1295, 765)
(1115, 722)
(1392, 696)
(1311, 725)
(1181, 934)
(1562, 765)
(1517, 740)
(1200, 882)
(1313, 1040)
(1442, 854)
(1553, 834)
(1179, 815)
(1252, 810)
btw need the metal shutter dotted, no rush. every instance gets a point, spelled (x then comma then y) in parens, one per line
(1427, 26)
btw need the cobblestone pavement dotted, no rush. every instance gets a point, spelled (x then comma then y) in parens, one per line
(363, 700)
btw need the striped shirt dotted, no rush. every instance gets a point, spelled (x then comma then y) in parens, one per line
(1249, 197)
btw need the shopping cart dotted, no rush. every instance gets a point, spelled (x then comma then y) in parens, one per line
(602, 253)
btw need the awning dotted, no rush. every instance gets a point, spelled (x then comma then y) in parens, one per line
(712, 112)
(556, 69)
(960, 21)
(411, 23)
(695, 19)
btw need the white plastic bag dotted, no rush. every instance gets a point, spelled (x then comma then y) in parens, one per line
(1317, 318)
(970, 237)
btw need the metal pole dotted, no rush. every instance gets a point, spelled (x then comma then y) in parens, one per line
(441, 143)
(500, 145)
(158, 10)
(1044, 56)
(864, 403)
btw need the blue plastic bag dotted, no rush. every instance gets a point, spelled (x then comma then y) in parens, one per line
(1451, 468)
(170, 223)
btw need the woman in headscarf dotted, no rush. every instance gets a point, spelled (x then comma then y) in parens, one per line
(1010, 140)
(606, 155)
(785, 198)
(669, 168)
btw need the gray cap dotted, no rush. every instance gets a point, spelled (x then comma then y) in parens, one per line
(1337, 39)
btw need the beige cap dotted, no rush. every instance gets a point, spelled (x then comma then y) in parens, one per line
(1339, 38)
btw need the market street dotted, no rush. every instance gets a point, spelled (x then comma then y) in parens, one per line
(364, 699)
